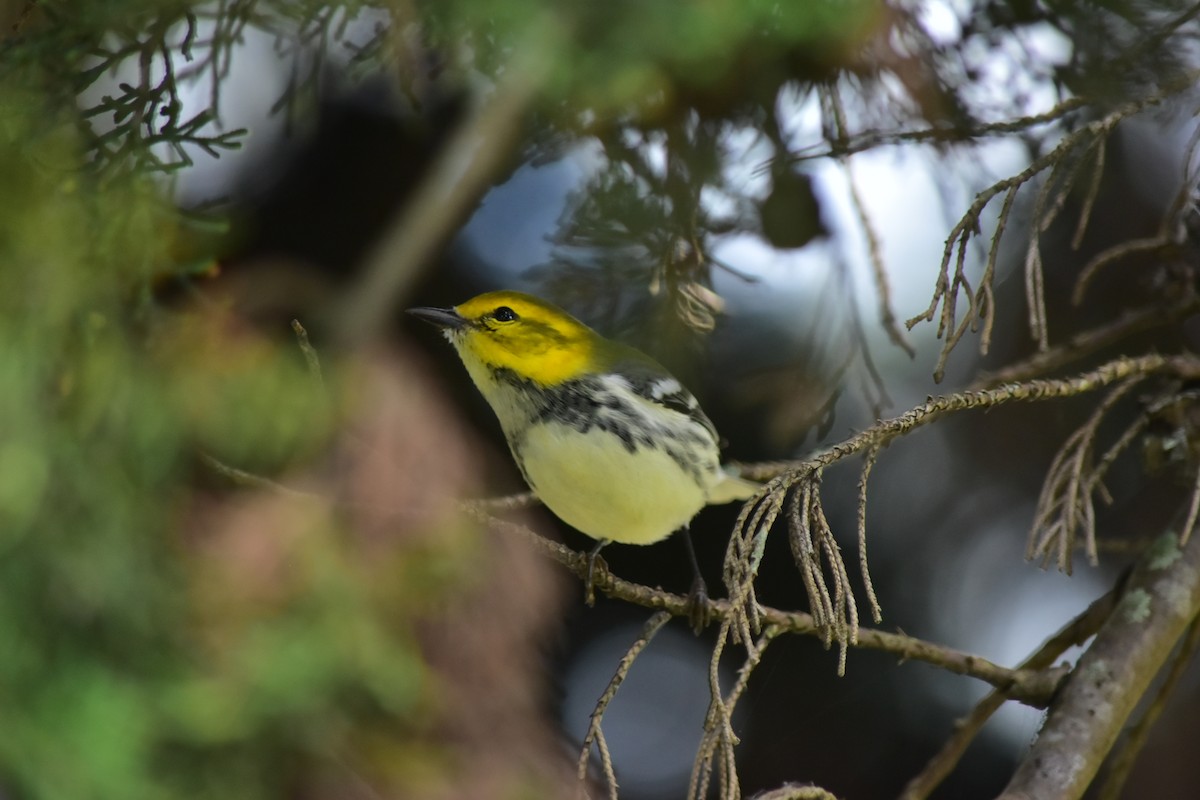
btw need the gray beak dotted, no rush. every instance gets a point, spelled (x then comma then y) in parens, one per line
(445, 318)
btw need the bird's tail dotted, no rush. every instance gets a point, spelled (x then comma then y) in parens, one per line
(730, 488)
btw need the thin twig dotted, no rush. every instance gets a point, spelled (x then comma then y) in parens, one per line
(511, 502)
(1089, 199)
(1111, 255)
(796, 791)
(1189, 523)
(870, 140)
(310, 354)
(862, 344)
(987, 298)
(805, 553)
(594, 735)
(869, 587)
(946, 289)
(1065, 506)
(887, 317)
(719, 738)
(718, 727)
(249, 480)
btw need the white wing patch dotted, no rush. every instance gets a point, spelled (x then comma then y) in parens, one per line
(666, 387)
(616, 383)
(650, 399)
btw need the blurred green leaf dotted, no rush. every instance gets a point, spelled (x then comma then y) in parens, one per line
(145, 656)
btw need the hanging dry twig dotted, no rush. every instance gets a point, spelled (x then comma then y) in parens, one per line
(1148, 246)
(868, 585)
(1171, 230)
(744, 555)
(1065, 507)
(950, 286)
(1043, 217)
(803, 478)
(719, 738)
(887, 318)
(595, 736)
(311, 359)
(811, 539)
(1093, 191)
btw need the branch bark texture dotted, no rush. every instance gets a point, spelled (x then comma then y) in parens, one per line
(1085, 720)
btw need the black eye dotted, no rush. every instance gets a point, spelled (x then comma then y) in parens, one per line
(504, 314)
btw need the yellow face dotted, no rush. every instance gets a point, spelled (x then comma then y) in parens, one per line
(515, 331)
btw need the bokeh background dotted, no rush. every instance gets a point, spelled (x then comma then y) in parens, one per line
(226, 574)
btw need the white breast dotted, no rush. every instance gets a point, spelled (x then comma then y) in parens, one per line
(593, 483)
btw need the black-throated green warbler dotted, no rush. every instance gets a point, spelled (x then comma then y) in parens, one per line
(611, 443)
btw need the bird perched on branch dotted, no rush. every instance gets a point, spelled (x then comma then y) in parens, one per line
(611, 443)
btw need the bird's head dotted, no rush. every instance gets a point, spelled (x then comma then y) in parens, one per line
(536, 340)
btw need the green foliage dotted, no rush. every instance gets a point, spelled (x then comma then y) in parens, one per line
(144, 653)
(612, 58)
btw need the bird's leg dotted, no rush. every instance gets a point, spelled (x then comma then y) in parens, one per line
(698, 610)
(589, 591)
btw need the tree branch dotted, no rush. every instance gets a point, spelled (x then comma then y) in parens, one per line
(1124, 758)
(1033, 687)
(1085, 720)
(1074, 633)
(459, 177)
(884, 431)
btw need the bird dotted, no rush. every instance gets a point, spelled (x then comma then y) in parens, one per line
(605, 436)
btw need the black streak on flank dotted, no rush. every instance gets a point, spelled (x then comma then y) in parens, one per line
(586, 403)
(580, 404)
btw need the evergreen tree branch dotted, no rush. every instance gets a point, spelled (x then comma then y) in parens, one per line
(1031, 687)
(1126, 756)
(1084, 721)
(1073, 634)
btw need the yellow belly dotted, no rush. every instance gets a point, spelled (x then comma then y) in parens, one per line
(595, 485)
